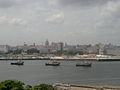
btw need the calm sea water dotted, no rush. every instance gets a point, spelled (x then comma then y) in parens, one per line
(35, 72)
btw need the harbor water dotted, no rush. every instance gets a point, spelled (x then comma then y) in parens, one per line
(34, 72)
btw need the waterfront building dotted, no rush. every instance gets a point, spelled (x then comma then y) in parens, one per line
(83, 48)
(57, 46)
(113, 51)
(70, 48)
(23, 47)
(46, 43)
(60, 46)
(43, 49)
(48, 48)
(54, 46)
(96, 49)
(4, 48)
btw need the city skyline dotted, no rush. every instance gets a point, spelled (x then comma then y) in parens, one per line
(50, 43)
(71, 21)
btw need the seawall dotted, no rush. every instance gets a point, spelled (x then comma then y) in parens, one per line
(84, 87)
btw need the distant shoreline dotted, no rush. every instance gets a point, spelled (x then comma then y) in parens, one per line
(85, 59)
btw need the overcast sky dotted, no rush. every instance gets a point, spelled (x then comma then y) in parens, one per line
(71, 21)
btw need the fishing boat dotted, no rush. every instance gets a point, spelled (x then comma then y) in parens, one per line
(17, 63)
(84, 64)
(53, 64)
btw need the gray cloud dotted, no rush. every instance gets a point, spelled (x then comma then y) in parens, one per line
(30, 20)
(83, 3)
(6, 3)
(56, 18)
(108, 22)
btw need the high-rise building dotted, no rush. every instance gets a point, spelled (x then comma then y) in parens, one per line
(46, 43)
(60, 46)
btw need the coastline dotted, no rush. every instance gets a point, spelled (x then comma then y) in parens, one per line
(69, 59)
(61, 86)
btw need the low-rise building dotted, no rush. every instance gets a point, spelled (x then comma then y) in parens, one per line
(4, 48)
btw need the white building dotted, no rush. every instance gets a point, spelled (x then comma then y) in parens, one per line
(4, 48)
(113, 51)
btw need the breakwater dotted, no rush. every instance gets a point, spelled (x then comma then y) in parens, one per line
(84, 87)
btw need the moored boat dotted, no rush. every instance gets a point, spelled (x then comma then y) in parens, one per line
(84, 64)
(17, 63)
(53, 64)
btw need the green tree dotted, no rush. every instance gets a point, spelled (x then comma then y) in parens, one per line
(10, 51)
(44, 87)
(11, 85)
(65, 52)
(33, 50)
(18, 51)
(18, 85)
(3, 87)
(29, 87)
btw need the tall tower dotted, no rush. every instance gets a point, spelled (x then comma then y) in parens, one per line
(25, 44)
(46, 43)
(33, 44)
(60, 46)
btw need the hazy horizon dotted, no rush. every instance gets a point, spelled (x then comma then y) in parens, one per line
(71, 21)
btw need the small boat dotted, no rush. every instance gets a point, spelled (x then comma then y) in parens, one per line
(17, 63)
(53, 64)
(84, 64)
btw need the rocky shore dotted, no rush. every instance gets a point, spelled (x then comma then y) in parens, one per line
(84, 87)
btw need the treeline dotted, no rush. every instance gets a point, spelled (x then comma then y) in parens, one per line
(65, 52)
(18, 85)
(57, 53)
(19, 51)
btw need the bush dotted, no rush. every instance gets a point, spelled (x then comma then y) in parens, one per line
(11, 85)
(18, 85)
(44, 87)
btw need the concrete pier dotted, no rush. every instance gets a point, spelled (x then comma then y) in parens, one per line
(84, 87)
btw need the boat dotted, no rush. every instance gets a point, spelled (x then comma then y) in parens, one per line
(17, 63)
(84, 64)
(53, 64)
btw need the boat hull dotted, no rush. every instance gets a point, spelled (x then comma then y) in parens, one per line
(52, 64)
(17, 63)
(47, 64)
(84, 65)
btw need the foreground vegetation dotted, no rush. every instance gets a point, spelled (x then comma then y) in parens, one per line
(18, 85)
